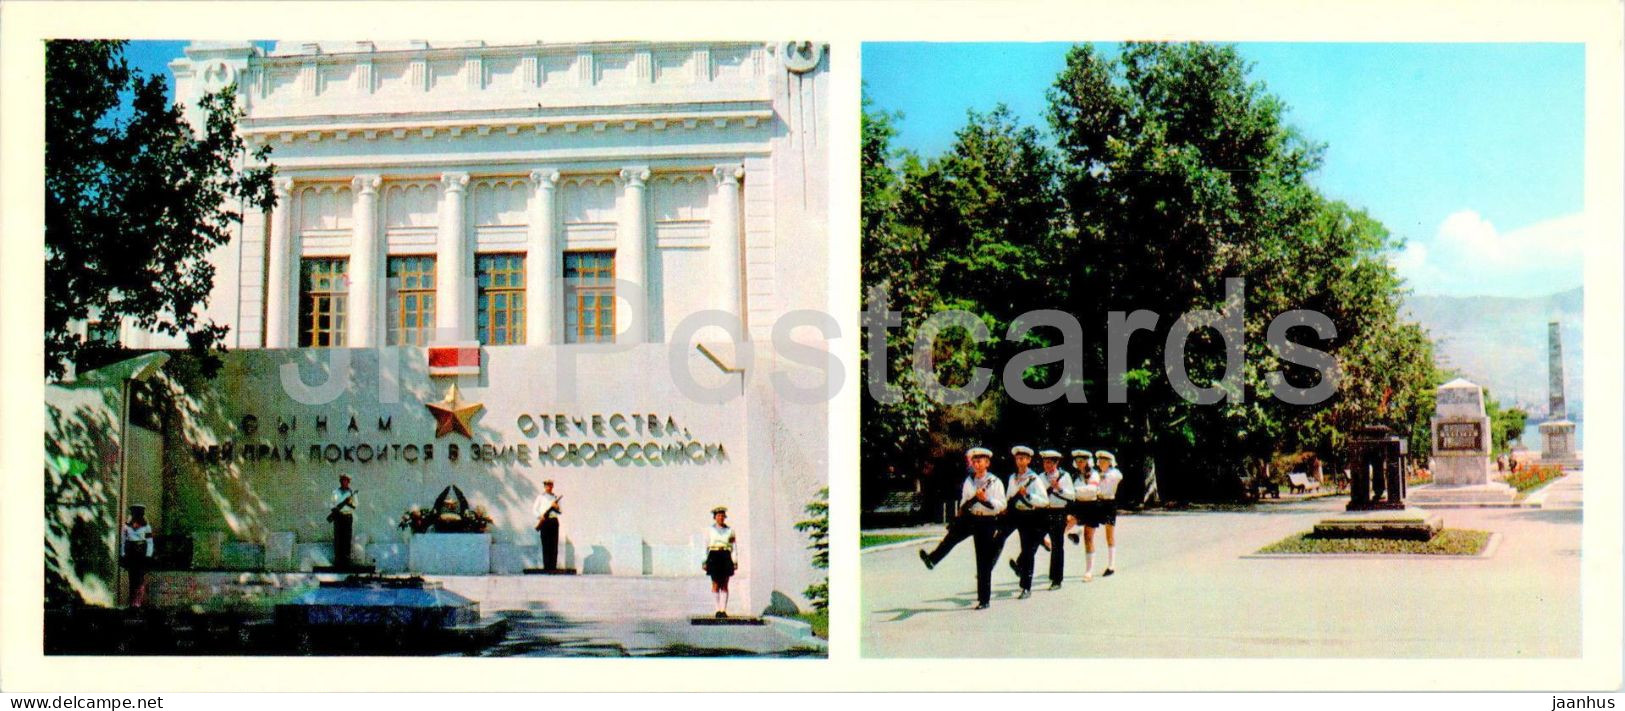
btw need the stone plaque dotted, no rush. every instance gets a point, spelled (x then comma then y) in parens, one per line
(1458, 396)
(1459, 437)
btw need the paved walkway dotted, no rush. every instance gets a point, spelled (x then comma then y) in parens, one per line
(1183, 589)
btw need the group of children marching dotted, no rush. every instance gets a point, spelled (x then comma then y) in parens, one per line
(1042, 508)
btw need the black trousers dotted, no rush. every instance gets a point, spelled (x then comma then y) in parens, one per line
(343, 526)
(1030, 527)
(550, 543)
(959, 529)
(984, 531)
(1055, 525)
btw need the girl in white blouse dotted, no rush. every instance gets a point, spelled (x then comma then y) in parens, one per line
(720, 561)
(136, 552)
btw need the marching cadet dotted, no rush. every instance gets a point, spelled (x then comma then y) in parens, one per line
(1026, 513)
(1110, 478)
(1023, 455)
(1060, 493)
(1087, 492)
(981, 500)
(1081, 465)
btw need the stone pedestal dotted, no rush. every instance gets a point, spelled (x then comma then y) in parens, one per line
(1409, 522)
(1461, 451)
(1557, 444)
(450, 554)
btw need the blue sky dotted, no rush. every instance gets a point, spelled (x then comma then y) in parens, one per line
(1474, 153)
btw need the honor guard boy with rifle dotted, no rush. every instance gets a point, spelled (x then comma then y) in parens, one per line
(1059, 492)
(981, 500)
(547, 523)
(1024, 514)
(342, 514)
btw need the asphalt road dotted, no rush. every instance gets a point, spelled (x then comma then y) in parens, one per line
(1183, 588)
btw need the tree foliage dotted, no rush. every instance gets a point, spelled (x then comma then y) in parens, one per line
(135, 200)
(1166, 172)
(817, 529)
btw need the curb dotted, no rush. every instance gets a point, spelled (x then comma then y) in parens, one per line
(899, 544)
(1537, 498)
(1490, 547)
(796, 630)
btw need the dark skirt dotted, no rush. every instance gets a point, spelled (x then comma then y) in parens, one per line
(1108, 512)
(719, 564)
(135, 556)
(1100, 512)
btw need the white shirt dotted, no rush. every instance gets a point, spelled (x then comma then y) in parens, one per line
(719, 538)
(1035, 497)
(995, 495)
(342, 494)
(544, 506)
(1109, 482)
(1058, 489)
(136, 535)
(1088, 489)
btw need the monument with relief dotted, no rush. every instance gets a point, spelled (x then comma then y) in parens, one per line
(1377, 507)
(1461, 451)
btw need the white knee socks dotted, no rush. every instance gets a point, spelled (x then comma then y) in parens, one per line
(1111, 557)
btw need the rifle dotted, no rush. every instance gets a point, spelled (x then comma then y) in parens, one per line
(348, 499)
(554, 507)
(964, 508)
(1022, 497)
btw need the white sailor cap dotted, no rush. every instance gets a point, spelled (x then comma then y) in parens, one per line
(1082, 453)
(1103, 454)
(1049, 454)
(1021, 449)
(979, 452)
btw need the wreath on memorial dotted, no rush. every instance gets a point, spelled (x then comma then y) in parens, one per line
(451, 513)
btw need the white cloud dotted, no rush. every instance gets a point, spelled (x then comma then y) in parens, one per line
(1468, 255)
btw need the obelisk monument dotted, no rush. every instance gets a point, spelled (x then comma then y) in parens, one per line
(1557, 432)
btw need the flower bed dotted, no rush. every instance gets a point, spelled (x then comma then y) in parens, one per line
(1451, 541)
(1533, 477)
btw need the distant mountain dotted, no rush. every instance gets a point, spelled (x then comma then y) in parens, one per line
(1500, 343)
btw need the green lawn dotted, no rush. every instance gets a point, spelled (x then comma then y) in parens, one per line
(819, 619)
(870, 540)
(1451, 541)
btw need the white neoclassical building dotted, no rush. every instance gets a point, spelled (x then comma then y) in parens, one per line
(538, 225)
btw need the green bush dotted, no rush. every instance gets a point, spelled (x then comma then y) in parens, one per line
(817, 530)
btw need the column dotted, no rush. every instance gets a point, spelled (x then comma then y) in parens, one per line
(454, 272)
(725, 234)
(281, 270)
(543, 308)
(366, 272)
(632, 256)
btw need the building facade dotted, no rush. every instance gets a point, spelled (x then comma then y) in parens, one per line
(494, 265)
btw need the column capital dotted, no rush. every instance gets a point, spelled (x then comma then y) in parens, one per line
(635, 176)
(283, 187)
(366, 184)
(454, 182)
(728, 173)
(544, 178)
